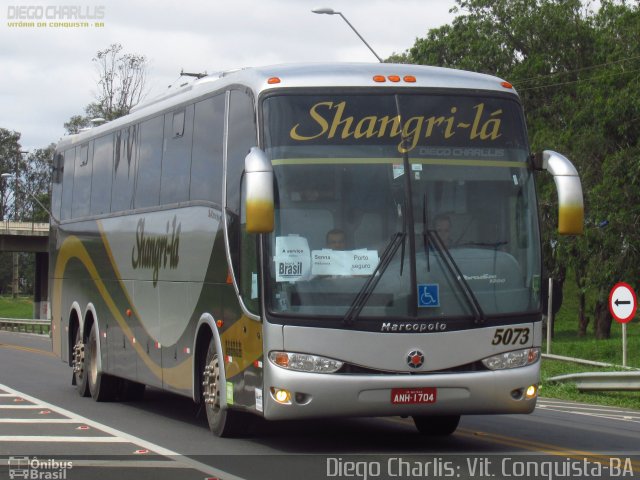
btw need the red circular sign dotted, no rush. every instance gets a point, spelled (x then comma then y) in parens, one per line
(623, 302)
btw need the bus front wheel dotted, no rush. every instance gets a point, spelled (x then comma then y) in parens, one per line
(437, 426)
(223, 422)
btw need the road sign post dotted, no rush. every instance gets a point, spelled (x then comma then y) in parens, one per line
(623, 304)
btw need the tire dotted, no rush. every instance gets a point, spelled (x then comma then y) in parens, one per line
(436, 426)
(80, 366)
(103, 387)
(223, 422)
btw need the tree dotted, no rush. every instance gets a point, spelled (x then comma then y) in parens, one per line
(9, 155)
(121, 86)
(576, 71)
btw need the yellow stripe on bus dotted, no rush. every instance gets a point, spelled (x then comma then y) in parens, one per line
(179, 376)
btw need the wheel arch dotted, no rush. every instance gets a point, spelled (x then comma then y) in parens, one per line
(75, 314)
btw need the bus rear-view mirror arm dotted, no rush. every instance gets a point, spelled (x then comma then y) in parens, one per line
(258, 192)
(570, 200)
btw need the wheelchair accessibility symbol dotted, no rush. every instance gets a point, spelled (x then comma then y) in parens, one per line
(428, 295)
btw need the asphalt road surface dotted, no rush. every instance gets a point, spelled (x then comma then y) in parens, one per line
(48, 432)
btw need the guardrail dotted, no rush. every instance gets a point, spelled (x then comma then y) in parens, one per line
(602, 381)
(25, 325)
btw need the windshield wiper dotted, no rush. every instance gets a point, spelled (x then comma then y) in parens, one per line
(478, 314)
(367, 289)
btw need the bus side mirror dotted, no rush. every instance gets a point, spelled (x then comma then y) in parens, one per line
(258, 200)
(570, 201)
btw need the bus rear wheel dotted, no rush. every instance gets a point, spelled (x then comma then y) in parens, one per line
(103, 387)
(80, 366)
(436, 426)
(223, 422)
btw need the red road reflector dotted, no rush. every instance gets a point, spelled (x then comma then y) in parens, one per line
(142, 451)
(83, 427)
(44, 412)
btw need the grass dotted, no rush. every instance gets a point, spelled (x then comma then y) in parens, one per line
(22, 307)
(567, 343)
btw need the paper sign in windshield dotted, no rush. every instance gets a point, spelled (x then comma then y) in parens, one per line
(292, 259)
(343, 262)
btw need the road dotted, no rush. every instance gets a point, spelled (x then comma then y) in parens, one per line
(165, 436)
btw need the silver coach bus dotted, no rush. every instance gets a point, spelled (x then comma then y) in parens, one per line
(306, 241)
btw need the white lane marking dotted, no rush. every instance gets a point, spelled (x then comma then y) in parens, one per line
(61, 438)
(19, 407)
(175, 456)
(121, 463)
(38, 420)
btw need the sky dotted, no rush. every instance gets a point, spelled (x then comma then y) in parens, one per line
(47, 74)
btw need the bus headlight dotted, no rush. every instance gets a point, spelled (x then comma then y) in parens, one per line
(303, 362)
(515, 359)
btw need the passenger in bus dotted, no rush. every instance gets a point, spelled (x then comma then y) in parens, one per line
(443, 228)
(336, 239)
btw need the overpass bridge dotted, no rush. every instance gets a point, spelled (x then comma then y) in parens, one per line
(30, 237)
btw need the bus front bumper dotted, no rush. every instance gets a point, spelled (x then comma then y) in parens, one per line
(315, 395)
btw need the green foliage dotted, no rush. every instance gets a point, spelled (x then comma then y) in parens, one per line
(21, 307)
(577, 70)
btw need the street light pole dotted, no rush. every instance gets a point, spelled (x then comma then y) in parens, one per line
(330, 11)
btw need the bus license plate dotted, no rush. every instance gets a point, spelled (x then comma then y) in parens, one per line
(410, 396)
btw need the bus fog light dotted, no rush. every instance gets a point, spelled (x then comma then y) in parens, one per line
(532, 391)
(303, 362)
(281, 395)
(515, 359)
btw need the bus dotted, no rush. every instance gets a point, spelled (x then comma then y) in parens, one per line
(308, 241)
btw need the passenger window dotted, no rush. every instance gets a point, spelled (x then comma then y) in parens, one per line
(206, 160)
(82, 182)
(176, 158)
(102, 175)
(149, 163)
(124, 168)
(67, 183)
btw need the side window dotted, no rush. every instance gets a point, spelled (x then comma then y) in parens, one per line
(56, 183)
(176, 158)
(102, 175)
(206, 158)
(82, 182)
(124, 168)
(67, 183)
(149, 163)
(241, 137)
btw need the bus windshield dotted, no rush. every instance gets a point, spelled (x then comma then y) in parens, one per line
(416, 205)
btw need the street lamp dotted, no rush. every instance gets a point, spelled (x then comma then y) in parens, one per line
(331, 11)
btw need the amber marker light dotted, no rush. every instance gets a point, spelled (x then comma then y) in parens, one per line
(394, 78)
(219, 323)
(409, 79)
(506, 85)
(379, 78)
(273, 80)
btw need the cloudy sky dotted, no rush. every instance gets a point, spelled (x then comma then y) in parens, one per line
(47, 74)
